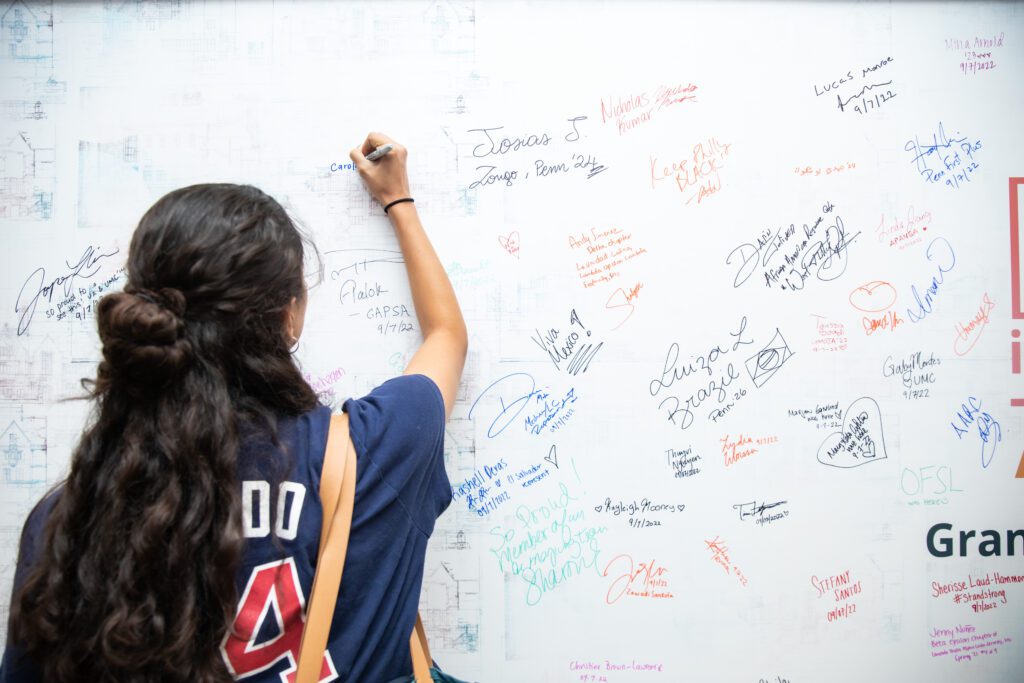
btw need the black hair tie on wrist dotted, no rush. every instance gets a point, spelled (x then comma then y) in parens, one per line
(398, 201)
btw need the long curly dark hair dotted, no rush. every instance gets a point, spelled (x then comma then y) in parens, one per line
(134, 577)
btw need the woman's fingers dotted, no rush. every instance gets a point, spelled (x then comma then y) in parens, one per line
(386, 177)
(375, 140)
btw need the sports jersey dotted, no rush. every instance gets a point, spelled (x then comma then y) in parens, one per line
(401, 489)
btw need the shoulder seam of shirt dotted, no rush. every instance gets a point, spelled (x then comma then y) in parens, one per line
(360, 451)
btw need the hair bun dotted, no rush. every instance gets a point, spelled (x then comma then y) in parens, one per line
(143, 335)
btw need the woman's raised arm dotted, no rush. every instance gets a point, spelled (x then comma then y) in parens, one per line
(443, 352)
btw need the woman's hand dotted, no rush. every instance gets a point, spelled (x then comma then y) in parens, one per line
(386, 177)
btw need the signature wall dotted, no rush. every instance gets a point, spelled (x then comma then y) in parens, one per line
(743, 398)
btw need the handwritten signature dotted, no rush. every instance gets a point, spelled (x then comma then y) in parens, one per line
(627, 301)
(35, 287)
(964, 341)
(702, 167)
(754, 509)
(701, 363)
(666, 96)
(390, 256)
(829, 255)
(923, 152)
(720, 554)
(550, 408)
(989, 431)
(715, 388)
(625, 582)
(518, 384)
(515, 392)
(825, 257)
(843, 105)
(924, 305)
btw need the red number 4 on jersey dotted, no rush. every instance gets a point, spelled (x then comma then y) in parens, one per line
(273, 588)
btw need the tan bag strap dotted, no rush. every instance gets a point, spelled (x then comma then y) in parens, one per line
(339, 445)
(421, 661)
(337, 494)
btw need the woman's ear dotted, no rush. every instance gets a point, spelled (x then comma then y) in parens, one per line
(289, 321)
(295, 318)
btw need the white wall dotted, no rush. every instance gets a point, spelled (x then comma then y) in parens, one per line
(112, 105)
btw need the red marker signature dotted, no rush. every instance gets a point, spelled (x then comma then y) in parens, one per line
(510, 243)
(627, 581)
(968, 335)
(889, 321)
(620, 298)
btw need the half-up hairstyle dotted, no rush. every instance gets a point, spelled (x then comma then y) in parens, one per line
(134, 576)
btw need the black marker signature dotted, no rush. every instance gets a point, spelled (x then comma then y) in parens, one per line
(768, 244)
(35, 286)
(863, 90)
(672, 370)
(830, 254)
(389, 256)
(753, 508)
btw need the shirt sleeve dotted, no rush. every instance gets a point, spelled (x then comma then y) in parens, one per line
(15, 667)
(398, 428)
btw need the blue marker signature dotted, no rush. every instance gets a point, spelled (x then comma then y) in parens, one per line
(989, 430)
(550, 408)
(922, 152)
(521, 386)
(924, 306)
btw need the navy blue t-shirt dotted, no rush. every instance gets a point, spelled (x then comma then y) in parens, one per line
(401, 489)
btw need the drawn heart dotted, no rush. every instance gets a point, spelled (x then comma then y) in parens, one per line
(552, 457)
(873, 297)
(861, 439)
(510, 242)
